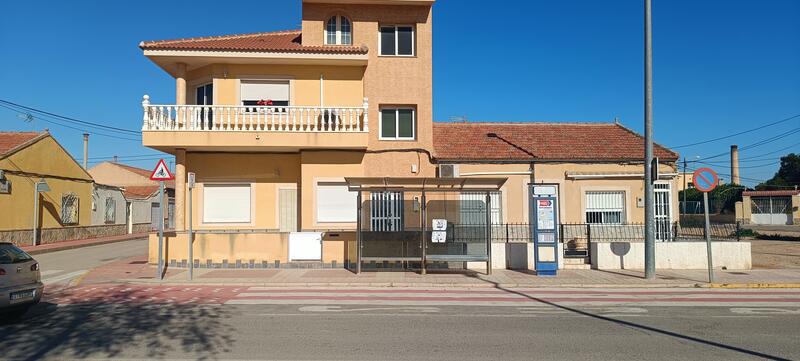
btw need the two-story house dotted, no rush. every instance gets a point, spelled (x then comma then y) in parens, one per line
(272, 123)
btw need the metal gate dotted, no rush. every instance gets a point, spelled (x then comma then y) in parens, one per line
(771, 210)
(663, 214)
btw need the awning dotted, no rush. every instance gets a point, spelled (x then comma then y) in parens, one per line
(426, 184)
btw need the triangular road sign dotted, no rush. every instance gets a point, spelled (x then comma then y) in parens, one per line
(161, 173)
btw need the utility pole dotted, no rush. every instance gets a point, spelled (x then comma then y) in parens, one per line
(683, 209)
(649, 199)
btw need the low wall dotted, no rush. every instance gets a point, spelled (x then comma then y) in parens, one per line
(515, 256)
(671, 255)
(55, 235)
(230, 247)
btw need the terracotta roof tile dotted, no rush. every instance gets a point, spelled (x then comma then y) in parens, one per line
(546, 141)
(144, 173)
(279, 41)
(12, 140)
(785, 193)
(139, 192)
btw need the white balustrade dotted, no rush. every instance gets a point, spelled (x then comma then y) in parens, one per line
(269, 118)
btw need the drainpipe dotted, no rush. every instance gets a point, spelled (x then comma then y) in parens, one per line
(85, 150)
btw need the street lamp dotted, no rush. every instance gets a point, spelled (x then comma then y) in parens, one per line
(40, 186)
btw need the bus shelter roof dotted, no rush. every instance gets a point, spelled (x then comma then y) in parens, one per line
(424, 184)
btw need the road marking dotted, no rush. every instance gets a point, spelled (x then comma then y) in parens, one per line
(63, 277)
(765, 311)
(340, 309)
(51, 272)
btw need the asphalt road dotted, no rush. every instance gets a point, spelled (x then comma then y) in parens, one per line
(63, 266)
(403, 332)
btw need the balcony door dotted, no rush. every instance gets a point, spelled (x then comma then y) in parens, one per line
(204, 95)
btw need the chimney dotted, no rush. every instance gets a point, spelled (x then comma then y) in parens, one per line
(85, 150)
(735, 165)
(115, 159)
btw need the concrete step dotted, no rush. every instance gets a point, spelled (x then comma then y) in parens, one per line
(577, 266)
(576, 261)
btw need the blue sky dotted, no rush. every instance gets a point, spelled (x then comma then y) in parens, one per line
(721, 66)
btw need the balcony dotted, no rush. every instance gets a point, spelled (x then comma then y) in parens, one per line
(253, 128)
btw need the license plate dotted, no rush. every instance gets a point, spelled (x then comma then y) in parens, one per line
(21, 295)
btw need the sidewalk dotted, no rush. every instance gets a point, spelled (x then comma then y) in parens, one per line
(136, 271)
(77, 243)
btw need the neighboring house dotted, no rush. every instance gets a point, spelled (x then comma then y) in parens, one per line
(272, 123)
(64, 210)
(141, 194)
(780, 207)
(108, 206)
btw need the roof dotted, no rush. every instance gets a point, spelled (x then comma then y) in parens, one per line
(12, 141)
(139, 192)
(427, 184)
(142, 172)
(288, 41)
(771, 193)
(542, 141)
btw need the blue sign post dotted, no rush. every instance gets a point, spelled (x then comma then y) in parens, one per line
(544, 216)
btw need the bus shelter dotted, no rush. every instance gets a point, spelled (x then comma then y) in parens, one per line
(419, 220)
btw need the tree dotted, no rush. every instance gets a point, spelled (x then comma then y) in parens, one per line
(787, 175)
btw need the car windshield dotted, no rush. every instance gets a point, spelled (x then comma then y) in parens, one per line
(10, 254)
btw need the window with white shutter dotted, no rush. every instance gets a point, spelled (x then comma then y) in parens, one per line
(605, 207)
(335, 204)
(226, 203)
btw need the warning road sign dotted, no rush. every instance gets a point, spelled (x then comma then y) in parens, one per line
(161, 173)
(705, 179)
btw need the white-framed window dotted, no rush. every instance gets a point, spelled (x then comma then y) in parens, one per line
(605, 207)
(227, 203)
(396, 40)
(386, 211)
(335, 203)
(69, 208)
(397, 124)
(339, 31)
(264, 92)
(110, 210)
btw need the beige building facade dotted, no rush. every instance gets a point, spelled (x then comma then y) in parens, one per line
(271, 125)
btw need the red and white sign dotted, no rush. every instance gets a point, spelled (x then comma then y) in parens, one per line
(161, 173)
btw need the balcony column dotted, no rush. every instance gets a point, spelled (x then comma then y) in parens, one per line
(180, 189)
(180, 84)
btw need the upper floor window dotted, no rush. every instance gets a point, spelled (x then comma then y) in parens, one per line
(397, 123)
(338, 31)
(397, 40)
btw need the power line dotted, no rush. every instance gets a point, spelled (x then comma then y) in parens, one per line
(71, 127)
(757, 144)
(126, 131)
(748, 166)
(739, 133)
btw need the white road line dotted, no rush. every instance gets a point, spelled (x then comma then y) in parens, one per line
(765, 311)
(63, 277)
(51, 272)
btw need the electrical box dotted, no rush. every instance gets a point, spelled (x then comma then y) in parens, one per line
(5, 186)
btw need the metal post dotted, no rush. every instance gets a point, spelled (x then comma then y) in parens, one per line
(708, 240)
(35, 214)
(161, 230)
(424, 207)
(488, 233)
(358, 233)
(190, 235)
(649, 199)
(683, 211)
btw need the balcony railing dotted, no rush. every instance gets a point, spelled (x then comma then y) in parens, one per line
(268, 118)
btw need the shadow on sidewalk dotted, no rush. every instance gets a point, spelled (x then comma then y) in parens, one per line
(639, 326)
(100, 330)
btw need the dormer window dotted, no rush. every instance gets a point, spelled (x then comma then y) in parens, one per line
(338, 31)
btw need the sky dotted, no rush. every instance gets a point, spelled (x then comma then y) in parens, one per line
(720, 67)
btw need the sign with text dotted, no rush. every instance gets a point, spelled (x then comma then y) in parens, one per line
(439, 225)
(438, 236)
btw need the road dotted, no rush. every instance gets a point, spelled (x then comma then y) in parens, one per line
(63, 266)
(236, 322)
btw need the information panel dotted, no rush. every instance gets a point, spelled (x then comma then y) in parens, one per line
(544, 227)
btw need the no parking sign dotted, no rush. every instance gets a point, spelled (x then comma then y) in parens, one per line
(705, 179)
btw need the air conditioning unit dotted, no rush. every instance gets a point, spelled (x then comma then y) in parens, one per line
(448, 170)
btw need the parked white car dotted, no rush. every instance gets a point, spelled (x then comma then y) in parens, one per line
(20, 281)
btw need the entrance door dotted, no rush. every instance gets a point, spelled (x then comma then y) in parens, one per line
(155, 210)
(204, 95)
(663, 214)
(287, 210)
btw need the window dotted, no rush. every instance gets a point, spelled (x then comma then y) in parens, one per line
(397, 123)
(265, 92)
(226, 203)
(338, 31)
(472, 207)
(605, 207)
(111, 210)
(335, 203)
(397, 40)
(69, 208)
(386, 211)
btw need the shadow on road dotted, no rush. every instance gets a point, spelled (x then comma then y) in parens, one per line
(114, 330)
(641, 326)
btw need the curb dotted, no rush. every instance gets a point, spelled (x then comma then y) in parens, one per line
(75, 246)
(750, 285)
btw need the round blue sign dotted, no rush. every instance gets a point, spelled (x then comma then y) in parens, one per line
(705, 179)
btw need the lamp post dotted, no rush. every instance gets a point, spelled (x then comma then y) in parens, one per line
(40, 186)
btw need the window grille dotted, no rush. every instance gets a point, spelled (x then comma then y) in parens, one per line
(606, 207)
(386, 210)
(111, 210)
(69, 208)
